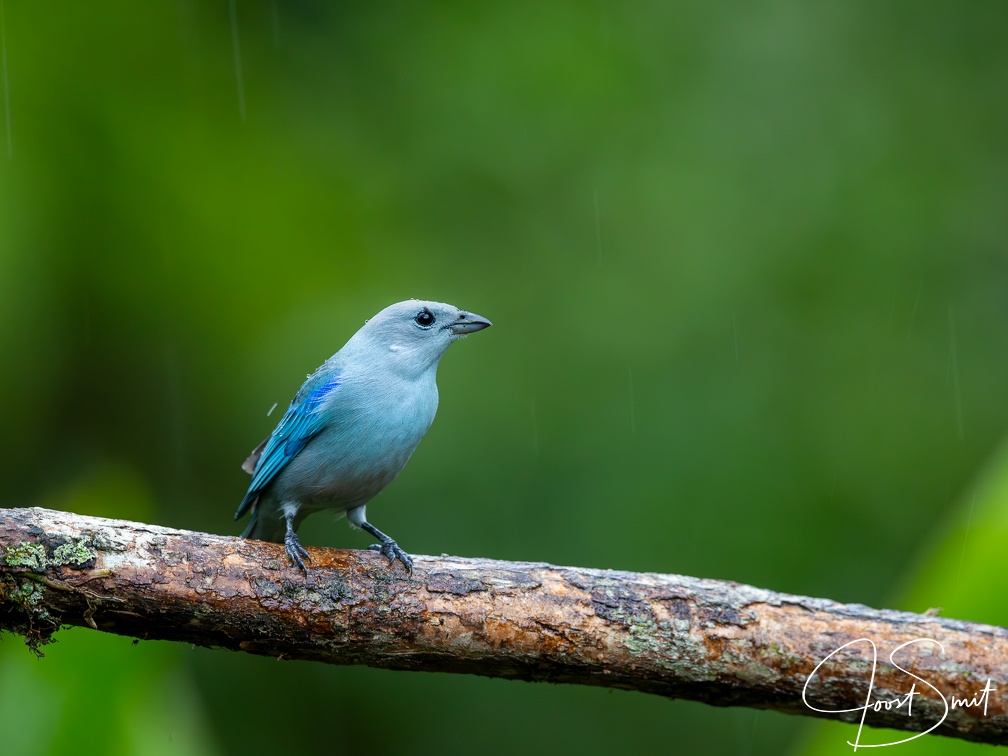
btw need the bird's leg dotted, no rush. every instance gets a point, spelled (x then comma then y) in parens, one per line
(295, 550)
(387, 547)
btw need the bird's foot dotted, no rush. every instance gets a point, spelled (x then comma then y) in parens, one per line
(296, 551)
(391, 550)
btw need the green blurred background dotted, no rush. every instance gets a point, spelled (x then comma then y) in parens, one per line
(747, 271)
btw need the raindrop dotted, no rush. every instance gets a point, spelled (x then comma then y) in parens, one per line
(6, 79)
(275, 22)
(535, 430)
(236, 49)
(734, 326)
(953, 369)
(87, 322)
(598, 228)
(603, 24)
(633, 417)
(969, 521)
(913, 313)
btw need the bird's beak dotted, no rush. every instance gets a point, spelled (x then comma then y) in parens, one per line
(468, 322)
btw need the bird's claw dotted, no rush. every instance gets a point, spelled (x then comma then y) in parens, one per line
(391, 550)
(296, 551)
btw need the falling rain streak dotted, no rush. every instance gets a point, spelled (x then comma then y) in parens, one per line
(913, 313)
(275, 22)
(598, 228)
(535, 430)
(6, 80)
(236, 49)
(962, 556)
(734, 327)
(953, 369)
(633, 417)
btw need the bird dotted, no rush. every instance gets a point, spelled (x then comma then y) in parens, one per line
(352, 426)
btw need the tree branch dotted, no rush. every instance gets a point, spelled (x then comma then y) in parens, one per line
(719, 642)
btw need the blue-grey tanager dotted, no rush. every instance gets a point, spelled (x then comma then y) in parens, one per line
(353, 425)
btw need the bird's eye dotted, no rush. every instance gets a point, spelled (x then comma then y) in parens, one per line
(424, 318)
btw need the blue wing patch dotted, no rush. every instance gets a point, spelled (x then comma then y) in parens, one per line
(300, 423)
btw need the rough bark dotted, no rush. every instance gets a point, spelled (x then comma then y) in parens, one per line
(719, 642)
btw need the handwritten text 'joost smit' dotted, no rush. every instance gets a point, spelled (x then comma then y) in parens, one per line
(899, 702)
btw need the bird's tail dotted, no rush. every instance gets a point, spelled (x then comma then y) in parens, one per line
(264, 528)
(247, 533)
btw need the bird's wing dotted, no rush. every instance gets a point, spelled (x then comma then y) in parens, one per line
(300, 423)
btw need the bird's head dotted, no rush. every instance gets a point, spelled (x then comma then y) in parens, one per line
(412, 335)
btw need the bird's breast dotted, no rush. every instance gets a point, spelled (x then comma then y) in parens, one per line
(368, 437)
